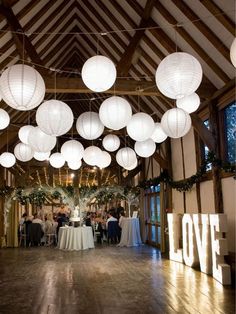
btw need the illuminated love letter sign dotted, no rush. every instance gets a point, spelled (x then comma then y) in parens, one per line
(189, 242)
(175, 253)
(203, 238)
(221, 271)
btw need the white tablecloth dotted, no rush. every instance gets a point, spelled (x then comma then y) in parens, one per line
(80, 238)
(130, 235)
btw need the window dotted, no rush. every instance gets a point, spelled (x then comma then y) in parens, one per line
(206, 149)
(153, 215)
(230, 132)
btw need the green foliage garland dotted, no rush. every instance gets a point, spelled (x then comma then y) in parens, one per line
(187, 184)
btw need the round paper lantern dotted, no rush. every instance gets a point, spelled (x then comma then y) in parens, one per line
(41, 156)
(233, 52)
(178, 75)
(91, 154)
(176, 122)
(89, 125)
(111, 142)
(54, 117)
(126, 157)
(23, 152)
(22, 87)
(115, 112)
(189, 103)
(104, 159)
(24, 133)
(7, 160)
(40, 141)
(145, 148)
(4, 119)
(72, 150)
(140, 127)
(99, 73)
(74, 165)
(134, 165)
(158, 135)
(56, 160)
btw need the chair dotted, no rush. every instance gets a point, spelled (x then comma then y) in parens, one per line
(113, 232)
(23, 235)
(35, 234)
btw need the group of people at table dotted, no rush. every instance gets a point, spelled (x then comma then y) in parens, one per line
(104, 226)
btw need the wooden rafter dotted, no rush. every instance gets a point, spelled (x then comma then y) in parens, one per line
(21, 39)
(186, 36)
(125, 62)
(219, 15)
(206, 31)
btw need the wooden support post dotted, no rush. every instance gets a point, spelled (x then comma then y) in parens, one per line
(216, 172)
(198, 162)
(168, 187)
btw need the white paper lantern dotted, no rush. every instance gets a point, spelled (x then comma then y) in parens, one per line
(126, 157)
(74, 165)
(24, 132)
(54, 117)
(189, 103)
(176, 122)
(23, 152)
(145, 148)
(4, 119)
(111, 142)
(140, 127)
(134, 165)
(72, 150)
(7, 160)
(56, 160)
(233, 52)
(40, 141)
(115, 112)
(89, 125)
(158, 135)
(91, 154)
(178, 75)
(99, 73)
(22, 87)
(104, 160)
(41, 156)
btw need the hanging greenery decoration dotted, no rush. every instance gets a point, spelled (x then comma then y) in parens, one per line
(187, 184)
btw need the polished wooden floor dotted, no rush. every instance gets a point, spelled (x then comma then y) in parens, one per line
(105, 280)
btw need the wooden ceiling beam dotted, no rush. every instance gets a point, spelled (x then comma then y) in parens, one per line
(125, 62)
(21, 39)
(206, 135)
(161, 161)
(123, 86)
(203, 28)
(220, 15)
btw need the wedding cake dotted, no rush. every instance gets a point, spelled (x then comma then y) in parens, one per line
(74, 214)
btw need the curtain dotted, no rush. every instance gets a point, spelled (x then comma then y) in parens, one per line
(12, 228)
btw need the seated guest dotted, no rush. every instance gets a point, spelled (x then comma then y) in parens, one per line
(110, 217)
(113, 230)
(38, 220)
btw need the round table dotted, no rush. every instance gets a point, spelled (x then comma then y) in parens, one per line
(80, 238)
(130, 235)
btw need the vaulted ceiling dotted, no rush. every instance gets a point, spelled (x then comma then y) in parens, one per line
(57, 37)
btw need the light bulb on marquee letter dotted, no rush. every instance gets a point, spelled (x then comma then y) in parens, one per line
(189, 243)
(175, 253)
